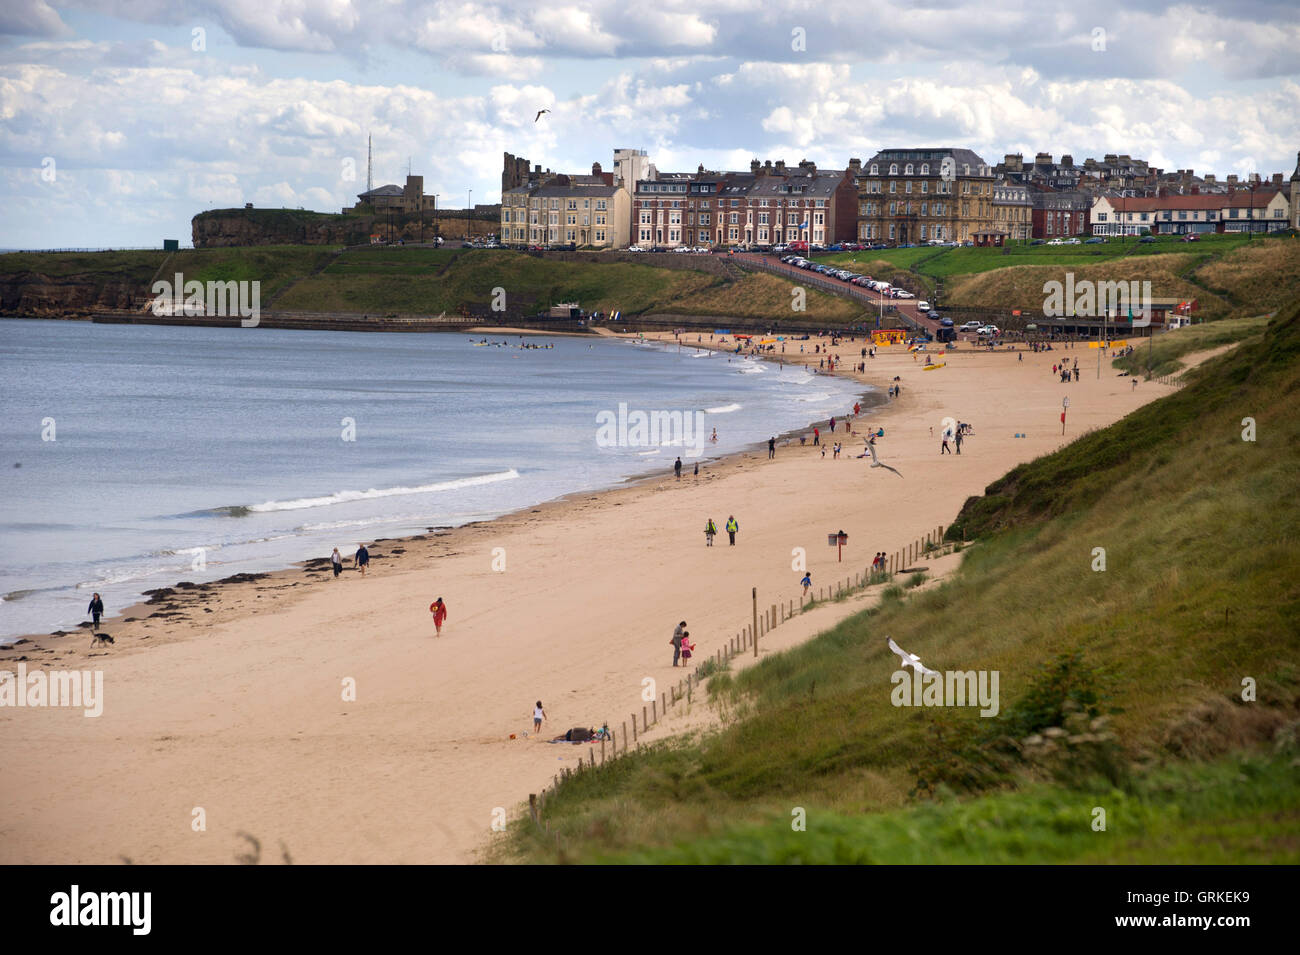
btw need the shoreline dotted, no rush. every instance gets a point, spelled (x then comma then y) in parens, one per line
(239, 710)
(167, 601)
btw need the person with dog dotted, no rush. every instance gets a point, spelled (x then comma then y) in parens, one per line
(96, 610)
(439, 611)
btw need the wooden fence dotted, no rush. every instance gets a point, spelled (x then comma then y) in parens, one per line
(747, 638)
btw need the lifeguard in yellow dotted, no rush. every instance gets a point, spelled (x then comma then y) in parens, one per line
(732, 527)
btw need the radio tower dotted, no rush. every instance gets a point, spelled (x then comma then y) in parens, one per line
(370, 183)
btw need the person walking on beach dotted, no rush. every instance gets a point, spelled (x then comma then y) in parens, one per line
(945, 449)
(832, 425)
(771, 447)
(959, 440)
(96, 610)
(361, 559)
(806, 583)
(710, 531)
(336, 561)
(817, 436)
(439, 611)
(677, 469)
(732, 527)
(676, 641)
(539, 714)
(687, 646)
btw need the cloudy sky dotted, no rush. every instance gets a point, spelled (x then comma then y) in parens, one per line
(123, 118)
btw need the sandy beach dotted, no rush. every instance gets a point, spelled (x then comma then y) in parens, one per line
(234, 704)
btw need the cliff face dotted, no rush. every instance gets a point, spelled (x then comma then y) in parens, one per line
(245, 227)
(36, 294)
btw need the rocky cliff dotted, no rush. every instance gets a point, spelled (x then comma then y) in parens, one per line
(245, 227)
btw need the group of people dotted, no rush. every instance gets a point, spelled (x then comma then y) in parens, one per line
(711, 530)
(1065, 371)
(360, 560)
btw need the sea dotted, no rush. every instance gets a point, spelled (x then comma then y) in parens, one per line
(136, 456)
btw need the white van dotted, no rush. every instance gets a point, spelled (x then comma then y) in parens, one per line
(923, 306)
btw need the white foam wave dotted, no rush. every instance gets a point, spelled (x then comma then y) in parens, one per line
(343, 497)
(723, 409)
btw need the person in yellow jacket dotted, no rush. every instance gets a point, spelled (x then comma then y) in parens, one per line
(710, 531)
(732, 527)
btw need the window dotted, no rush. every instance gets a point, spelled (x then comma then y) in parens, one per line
(907, 170)
(925, 187)
(891, 230)
(923, 208)
(735, 219)
(925, 169)
(893, 207)
(1101, 217)
(893, 186)
(600, 236)
(875, 169)
(907, 187)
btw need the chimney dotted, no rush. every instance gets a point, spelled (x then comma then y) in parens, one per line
(755, 166)
(780, 167)
(1067, 161)
(1210, 179)
(767, 167)
(1043, 159)
(855, 165)
(700, 171)
(1232, 179)
(1277, 179)
(595, 169)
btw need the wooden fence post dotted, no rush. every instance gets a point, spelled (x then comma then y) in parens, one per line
(644, 725)
(625, 731)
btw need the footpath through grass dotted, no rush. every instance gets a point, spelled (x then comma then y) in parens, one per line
(1122, 588)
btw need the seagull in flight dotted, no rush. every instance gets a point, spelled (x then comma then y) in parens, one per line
(876, 462)
(539, 114)
(909, 659)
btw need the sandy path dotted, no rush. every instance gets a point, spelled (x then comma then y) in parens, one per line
(241, 713)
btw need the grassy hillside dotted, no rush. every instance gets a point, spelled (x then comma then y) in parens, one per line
(1228, 274)
(1119, 688)
(422, 280)
(273, 266)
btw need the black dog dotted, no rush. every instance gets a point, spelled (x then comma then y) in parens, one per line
(101, 639)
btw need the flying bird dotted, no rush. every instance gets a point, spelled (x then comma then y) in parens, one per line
(539, 114)
(876, 462)
(909, 659)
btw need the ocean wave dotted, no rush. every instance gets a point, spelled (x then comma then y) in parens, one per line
(644, 453)
(815, 396)
(754, 369)
(723, 409)
(344, 497)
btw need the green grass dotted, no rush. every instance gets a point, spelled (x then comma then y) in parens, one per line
(432, 281)
(1229, 274)
(1210, 815)
(1162, 352)
(273, 266)
(1200, 588)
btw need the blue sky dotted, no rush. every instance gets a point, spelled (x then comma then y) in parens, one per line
(120, 125)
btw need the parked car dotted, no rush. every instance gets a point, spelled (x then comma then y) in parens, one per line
(1147, 238)
(923, 306)
(971, 327)
(1039, 242)
(1095, 240)
(933, 315)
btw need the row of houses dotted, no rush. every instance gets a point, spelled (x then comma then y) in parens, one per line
(898, 197)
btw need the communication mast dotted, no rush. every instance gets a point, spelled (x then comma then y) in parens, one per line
(370, 182)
